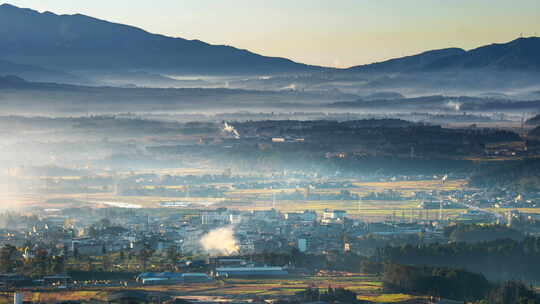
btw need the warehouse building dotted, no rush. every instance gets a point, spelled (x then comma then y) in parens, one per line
(242, 272)
(172, 278)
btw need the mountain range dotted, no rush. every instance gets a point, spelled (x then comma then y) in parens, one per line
(79, 42)
(522, 54)
(54, 48)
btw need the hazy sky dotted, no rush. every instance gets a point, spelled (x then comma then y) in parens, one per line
(321, 32)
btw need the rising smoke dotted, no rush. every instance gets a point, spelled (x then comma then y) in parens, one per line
(220, 241)
(227, 128)
(454, 106)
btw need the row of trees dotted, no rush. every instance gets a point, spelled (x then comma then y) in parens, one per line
(38, 264)
(481, 233)
(455, 284)
(435, 281)
(498, 260)
(330, 295)
(38, 261)
(512, 293)
(523, 175)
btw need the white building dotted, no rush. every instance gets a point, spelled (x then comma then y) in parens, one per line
(215, 217)
(302, 245)
(332, 216)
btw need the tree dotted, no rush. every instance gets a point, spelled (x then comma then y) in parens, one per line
(8, 259)
(105, 223)
(58, 264)
(296, 255)
(172, 257)
(436, 281)
(89, 264)
(106, 263)
(145, 254)
(122, 256)
(513, 293)
(371, 267)
(40, 263)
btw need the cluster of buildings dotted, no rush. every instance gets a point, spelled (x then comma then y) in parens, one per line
(93, 232)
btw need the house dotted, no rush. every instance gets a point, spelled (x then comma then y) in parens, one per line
(306, 216)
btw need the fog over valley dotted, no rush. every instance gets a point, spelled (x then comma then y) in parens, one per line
(141, 168)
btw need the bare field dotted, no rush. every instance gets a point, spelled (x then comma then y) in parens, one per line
(407, 186)
(366, 286)
(261, 199)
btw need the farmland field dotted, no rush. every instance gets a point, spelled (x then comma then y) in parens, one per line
(261, 199)
(366, 286)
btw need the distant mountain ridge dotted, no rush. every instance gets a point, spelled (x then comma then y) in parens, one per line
(79, 42)
(519, 54)
(39, 74)
(522, 54)
(71, 44)
(413, 62)
(534, 121)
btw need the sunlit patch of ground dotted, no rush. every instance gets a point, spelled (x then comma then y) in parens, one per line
(421, 185)
(388, 298)
(182, 171)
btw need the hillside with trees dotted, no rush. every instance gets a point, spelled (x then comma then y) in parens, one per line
(498, 260)
(481, 233)
(517, 175)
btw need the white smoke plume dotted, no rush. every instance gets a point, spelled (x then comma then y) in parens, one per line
(230, 129)
(220, 241)
(444, 178)
(456, 106)
(291, 87)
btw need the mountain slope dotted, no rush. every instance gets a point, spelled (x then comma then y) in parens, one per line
(534, 121)
(414, 62)
(519, 54)
(522, 54)
(12, 82)
(72, 42)
(38, 74)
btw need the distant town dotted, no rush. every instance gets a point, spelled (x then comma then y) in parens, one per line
(140, 168)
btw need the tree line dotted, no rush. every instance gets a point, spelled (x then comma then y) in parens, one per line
(455, 284)
(502, 259)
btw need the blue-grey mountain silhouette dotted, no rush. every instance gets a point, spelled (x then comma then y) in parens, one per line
(522, 54)
(414, 62)
(79, 42)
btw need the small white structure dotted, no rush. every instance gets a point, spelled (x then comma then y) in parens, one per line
(330, 216)
(18, 298)
(302, 245)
